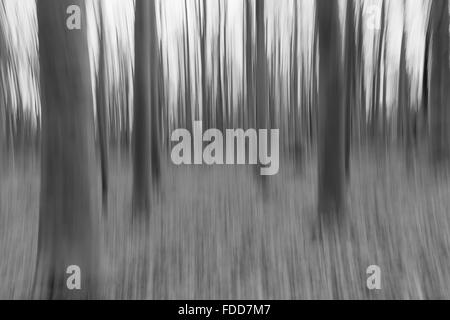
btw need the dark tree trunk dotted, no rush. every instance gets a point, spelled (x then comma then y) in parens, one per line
(331, 142)
(296, 146)
(349, 79)
(2, 128)
(261, 74)
(187, 73)
(225, 71)
(219, 97)
(102, 115)
(404, 108)
(360, 110)
(384, 118)
(205, 87)
(68, 226)
(376, 79)
(249, 65)
(145, 151)
(261, 66)
(3, 104)
(155, 119)
(439, 104)
(425, 83)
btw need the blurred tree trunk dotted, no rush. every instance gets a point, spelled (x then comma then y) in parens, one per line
(376, 78)
(249, 65)
(3, 108)
(331, 142)
(350, 80)
(384, 117)
(155, 115)
(425, 83)
(102, 113)
(296, 146)
(180, 101)
(275, 109)
(2, 129)
(3, 104)
(187, 72)
(19, 115)
(162, 100)
(128, 88)
(404, 107)
(205, 88)
(439, 96)
(313, 117)
(225, 114)
(249, 116)
(261, 74)
(261, 66)
(10, 126)
(219, 97)
(145, 150)
(360, 111)
(68, 222)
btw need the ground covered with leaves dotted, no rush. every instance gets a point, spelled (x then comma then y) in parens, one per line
(213, 234)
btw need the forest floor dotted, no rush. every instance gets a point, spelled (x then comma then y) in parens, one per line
(214, 235)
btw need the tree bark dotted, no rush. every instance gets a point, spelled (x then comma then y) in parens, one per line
(145, 151)
(331, 144)
(68, 220)
(440, 71)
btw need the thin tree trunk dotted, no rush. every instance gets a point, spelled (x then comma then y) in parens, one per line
(294, 93)
(219, 104)
(261, 73)
(425, 84)
(376, 79)
(249, 66)
(3, 101)
(156, 73)
(350, 80)
(3, 119)
(225, 74)
(102, 115)
(205, 87)
(187, 73)
(384, 118)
